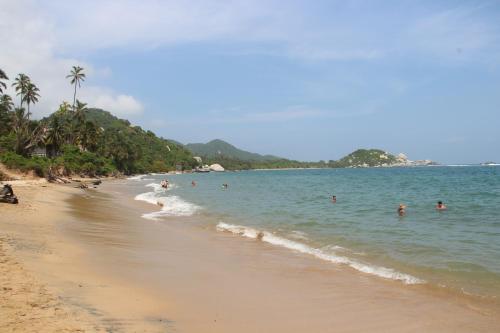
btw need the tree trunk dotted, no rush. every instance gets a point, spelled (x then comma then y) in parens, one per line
(74, 98)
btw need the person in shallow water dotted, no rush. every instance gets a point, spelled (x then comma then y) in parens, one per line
(224, 186)
(402, 210)
(334, 198)
(440, 206)
(193, 183)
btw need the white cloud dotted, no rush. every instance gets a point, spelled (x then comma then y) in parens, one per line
(121, 104)
(30, 46)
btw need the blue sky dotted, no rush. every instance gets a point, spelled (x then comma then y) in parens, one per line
(307, 80)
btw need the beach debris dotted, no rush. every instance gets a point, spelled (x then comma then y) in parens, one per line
(82, 186)
(97, 182)
(7, 195)
(53, 178)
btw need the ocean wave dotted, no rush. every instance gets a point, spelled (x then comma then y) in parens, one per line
(298, 235)
(170, 205)
(270, 238)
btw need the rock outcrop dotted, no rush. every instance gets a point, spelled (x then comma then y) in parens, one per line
(216, 167)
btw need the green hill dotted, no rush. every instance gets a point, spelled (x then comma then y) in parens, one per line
(366, 158)
(149, 152)
(223, 150)
(99, 144)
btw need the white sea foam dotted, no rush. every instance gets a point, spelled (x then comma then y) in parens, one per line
(270, 238)
(170, 205)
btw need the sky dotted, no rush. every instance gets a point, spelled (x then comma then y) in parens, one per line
(306, 80)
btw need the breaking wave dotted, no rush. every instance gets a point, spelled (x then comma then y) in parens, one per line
(270, 238)
(171, 205)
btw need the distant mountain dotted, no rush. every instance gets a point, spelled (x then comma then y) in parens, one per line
(221, 149)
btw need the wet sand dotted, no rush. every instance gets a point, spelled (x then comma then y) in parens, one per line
(123, 273)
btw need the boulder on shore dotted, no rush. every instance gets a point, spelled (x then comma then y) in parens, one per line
(216, 167)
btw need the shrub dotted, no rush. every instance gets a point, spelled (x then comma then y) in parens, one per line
(39, 165)
(7, 142)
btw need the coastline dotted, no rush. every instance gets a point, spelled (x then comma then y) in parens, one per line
(93, 251)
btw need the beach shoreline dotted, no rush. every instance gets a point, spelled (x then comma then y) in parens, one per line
(106, 264)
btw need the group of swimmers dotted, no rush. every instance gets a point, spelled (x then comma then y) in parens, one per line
(402, 208)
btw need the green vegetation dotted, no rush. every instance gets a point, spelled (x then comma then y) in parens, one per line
(218, 149)
(232, 158)
(235, 164)
(366, 158)
(78, 140)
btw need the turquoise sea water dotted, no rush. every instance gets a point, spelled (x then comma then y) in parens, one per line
(458, 248)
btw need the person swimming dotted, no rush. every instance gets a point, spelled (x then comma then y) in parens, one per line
(334, 199)
(401, 210)
(193, 183)
(441, 206)
(224, 186)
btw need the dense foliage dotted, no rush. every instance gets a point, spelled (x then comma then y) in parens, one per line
(366, 158)
(78, 140)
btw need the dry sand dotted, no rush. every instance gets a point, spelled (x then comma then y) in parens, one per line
(26, 303)
(91, 263)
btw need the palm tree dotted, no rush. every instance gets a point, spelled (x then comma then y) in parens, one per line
(56, 135)
(6, 116)
(6, 102)
(21, 83)
(77, 76)
(3, 76)
(31, 95)
(64, 108)
(79, 117)
(90, 136)
(64, 113)
(80, 110)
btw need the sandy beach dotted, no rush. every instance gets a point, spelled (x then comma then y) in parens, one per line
(84, 260)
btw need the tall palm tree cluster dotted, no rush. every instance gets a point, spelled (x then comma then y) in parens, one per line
(68, 125)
